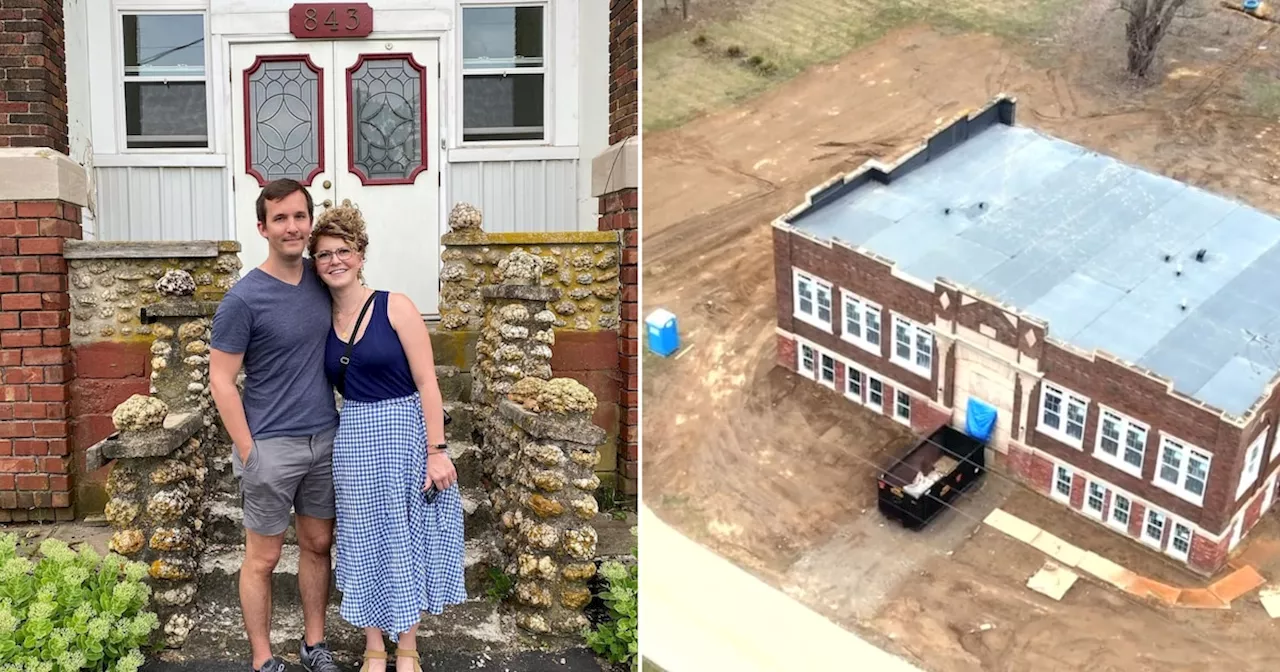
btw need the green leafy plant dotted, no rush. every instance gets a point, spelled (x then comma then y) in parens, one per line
(615, 639)
(500, 585)
(71, 610)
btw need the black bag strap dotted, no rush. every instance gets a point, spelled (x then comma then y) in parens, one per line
(355, 332)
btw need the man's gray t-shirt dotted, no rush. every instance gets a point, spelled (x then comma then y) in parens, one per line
(282, 330)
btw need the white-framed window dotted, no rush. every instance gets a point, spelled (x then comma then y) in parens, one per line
(1183, 470)
(163, 99)
(912, 346)
(1061, 483)
(1252, 463)
(861, 322)
(1180, 541)
(1062, 414)
(875, 393)
(1122, 441)
(902, 406)
(505, 75)
(1121, 511)
(1275, 446)
(812, 300)
(854, 383)
(1153, 528)
(1095, 499)
(808, 360)
(827, 372)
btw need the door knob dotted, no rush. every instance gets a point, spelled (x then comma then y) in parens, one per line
(328, 184)
(327, 203)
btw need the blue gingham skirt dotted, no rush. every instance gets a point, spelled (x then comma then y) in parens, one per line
(397, 555)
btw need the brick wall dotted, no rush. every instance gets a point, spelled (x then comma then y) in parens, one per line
(618, 212)
(35, 359)
(623, 84)
(33, 97)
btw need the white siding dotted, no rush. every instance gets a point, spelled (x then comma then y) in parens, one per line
(520, 195)
(139, 203)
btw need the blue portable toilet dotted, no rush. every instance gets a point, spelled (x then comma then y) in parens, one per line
(664, 339)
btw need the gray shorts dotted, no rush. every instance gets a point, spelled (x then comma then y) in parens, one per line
(283, 473)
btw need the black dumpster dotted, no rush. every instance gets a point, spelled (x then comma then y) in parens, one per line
(916, 484)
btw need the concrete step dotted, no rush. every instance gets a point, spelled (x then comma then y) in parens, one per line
(455, 384)
(462, 425)
(220, 569)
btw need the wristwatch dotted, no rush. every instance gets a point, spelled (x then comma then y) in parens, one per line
(442, 448)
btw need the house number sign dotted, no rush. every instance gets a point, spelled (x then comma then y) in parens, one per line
(330, 20)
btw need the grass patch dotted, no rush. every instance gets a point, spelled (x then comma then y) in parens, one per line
(1262, 94)
(718, 65)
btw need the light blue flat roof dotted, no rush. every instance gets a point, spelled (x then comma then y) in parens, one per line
(1078, 239)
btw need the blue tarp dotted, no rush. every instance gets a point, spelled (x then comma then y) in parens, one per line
(980, 419)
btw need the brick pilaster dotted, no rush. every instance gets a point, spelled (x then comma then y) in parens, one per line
(618, 212)
(33, 96)
(624, 105)
(35, 359)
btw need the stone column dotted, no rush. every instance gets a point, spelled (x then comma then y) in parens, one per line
(545, 500)
(157, 483)
(516, 339)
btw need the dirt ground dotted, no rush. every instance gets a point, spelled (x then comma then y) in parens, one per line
(777, 474)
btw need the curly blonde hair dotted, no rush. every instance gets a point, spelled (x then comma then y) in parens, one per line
(341, 221)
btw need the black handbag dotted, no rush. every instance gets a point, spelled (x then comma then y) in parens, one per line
(346, 356)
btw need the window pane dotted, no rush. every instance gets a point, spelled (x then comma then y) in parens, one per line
(498, 107)
(166, 115)
(284, 112)
(386, 119)
(164, 45)
(501, 37)
(873, 326)
(852, 319)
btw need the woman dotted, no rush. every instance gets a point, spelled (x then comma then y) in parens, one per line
(399, 536)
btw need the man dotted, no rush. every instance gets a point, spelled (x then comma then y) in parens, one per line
(275, 322)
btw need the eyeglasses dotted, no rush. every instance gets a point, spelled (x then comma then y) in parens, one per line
(342, 253)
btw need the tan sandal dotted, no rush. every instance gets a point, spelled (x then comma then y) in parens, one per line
(371, 654)
(409, 653)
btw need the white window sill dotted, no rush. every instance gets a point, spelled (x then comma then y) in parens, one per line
(1147, 540)
(862, 343)
(1116, 525)
(902, 420)
(871, 404)
(829, 385)
(813, 321)
(1058, 496)
(1060, 436)
(1177, 491)
(1118, 463)
(1096, 515)
(468, 154)
(927, 374)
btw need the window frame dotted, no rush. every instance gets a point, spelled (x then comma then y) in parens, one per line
(1116, 496)
(823, 357)
(812, 371)
(1054, 493)
(120, 78)
(1259, 444)
(898, 396)
(1146, 520)
(818, 285)
(1067, 396)
(870, 378)
(914, 331)
(547, 70)
(1172, 548)
(1126, 423)
(865, 306)
(1101, 512)
(1184, 470)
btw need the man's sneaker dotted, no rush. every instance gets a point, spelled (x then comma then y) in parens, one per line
(272, 665)
(317, 658)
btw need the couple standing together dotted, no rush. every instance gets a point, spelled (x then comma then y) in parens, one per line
(301, 327)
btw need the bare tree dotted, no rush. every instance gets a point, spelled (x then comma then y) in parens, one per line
(1149, 22)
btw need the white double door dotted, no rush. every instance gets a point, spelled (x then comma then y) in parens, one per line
(351, 120)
